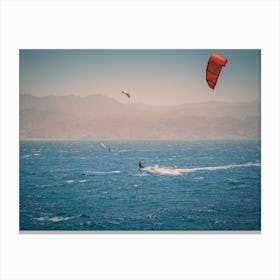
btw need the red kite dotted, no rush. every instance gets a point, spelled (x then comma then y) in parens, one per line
(126, 93)
(214, 67)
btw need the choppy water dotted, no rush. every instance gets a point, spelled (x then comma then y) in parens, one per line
(184, 185)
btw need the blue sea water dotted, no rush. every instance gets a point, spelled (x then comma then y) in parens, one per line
(185, 185)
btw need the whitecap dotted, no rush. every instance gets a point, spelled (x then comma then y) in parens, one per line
(49, 185)
(102, 172)
(26, 156)
(59, 219)
(123, 151)
(106, 172)
(198, 178)
(141, 174)
(55, 218)
(203, 209)
(41, 218)
(70, 181)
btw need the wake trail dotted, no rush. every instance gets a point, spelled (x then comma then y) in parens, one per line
(178, 171)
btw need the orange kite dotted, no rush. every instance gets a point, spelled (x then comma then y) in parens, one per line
(126, 93)
(214, 67)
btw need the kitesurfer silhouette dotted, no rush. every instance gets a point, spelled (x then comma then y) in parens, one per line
(140, 164)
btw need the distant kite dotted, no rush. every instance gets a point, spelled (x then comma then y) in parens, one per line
(126, 93)
(214, 67)
(103, 145)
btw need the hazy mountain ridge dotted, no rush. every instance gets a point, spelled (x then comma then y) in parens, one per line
(101, 117)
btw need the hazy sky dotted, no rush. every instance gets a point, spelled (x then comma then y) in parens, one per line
(159, 77)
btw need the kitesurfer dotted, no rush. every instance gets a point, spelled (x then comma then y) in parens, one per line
(140, 164)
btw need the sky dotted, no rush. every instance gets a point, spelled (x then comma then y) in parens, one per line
(155, 77)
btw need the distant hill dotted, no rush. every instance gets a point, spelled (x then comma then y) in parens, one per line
(101, 117)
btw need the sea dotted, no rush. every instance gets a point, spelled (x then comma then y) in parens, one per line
(98, 186)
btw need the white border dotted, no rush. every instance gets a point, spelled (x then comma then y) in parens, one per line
(146, 24)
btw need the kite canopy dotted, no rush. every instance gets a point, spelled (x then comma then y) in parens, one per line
(126, 93)
(214, 67)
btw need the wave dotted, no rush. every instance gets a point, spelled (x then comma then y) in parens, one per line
(56, 219)
(70, 181)
(55, 184)
(102, 172)
(123, 151)
(26, 156)
(199, 178)
(178, 171)
(59, 218)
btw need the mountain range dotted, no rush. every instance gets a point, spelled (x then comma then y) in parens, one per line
(102, 117)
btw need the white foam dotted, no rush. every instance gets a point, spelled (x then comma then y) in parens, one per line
(55, 218)
(123, 151)
(102, 172)
(199, 178)
(59, 218)
(41, 218)
(162, 170)
(83, 181)
(178, 171)
(70, 181)
(49, 185)
(141, 174)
